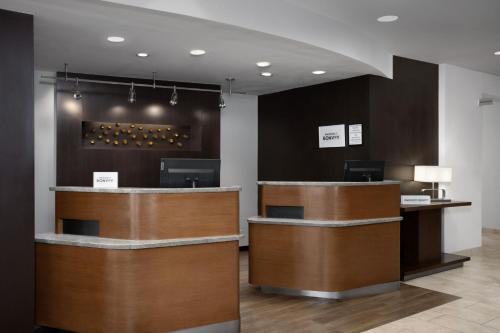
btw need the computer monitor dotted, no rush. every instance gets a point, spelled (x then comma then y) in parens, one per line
(184, 173)
(364, 171)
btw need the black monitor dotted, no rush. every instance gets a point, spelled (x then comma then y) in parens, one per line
(185, 172)
(364, 171)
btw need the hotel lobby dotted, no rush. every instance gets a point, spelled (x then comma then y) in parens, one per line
(250, 166)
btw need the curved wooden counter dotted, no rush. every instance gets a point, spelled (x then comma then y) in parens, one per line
(182, 277)
(139, 213)
(322, 256)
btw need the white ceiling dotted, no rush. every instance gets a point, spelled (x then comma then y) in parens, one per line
(75, 32)
(464, 33)
(340, 36)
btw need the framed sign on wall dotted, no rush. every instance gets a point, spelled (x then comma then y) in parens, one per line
(355, 135)
(332, 136)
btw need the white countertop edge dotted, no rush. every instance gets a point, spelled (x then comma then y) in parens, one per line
(140, 190)
(322, 223)
(126, 244)
(280, 183)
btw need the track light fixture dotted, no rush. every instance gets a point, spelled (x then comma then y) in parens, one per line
(76, 92)
(222, 103)
(131, 94)
(174, 97)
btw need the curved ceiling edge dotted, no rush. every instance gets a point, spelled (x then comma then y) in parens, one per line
(281, 19)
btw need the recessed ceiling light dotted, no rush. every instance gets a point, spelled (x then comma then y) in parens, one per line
(319, 72)
(197, 52)
(116, 39)
(266, 74)
(142, 54)
(388, 18)
(497, 53)
(263, 64)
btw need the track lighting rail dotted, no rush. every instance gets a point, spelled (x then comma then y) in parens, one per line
(127, 84)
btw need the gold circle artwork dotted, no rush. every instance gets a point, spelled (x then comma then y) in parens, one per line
(136, 135)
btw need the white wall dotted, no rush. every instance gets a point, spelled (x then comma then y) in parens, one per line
(461, 147)
(491, 162)
(45, 154)
(239, 153)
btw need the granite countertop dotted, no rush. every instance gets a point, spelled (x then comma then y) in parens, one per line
(144, 190)
(280, 183)
(322, 223)
(126, 244)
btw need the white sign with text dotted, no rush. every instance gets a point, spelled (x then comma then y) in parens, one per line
(106, 179)
(355, 135)
(332, 136)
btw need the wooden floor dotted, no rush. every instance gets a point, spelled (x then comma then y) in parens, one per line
(478, 285)
(261, 313)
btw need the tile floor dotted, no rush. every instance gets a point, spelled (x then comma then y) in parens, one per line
(478, 285)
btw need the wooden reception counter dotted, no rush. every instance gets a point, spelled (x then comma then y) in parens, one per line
(163, 260)
(325, 239)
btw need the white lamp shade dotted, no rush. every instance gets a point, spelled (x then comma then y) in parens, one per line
(432, 174)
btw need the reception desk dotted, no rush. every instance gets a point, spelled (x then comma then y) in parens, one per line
(163, 260)
(326, 239)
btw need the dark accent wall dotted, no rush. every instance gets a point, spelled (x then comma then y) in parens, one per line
(16, 173)
(399, 118)
(108, 103)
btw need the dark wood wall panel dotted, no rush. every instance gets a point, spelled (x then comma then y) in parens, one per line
(105, 103)
(288, 130)
(404, 120)
(17, 175)
(399, 117)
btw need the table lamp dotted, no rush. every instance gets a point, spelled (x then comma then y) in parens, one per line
(433, 174)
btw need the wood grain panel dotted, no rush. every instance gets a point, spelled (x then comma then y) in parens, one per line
(108, 103)
(152, 290)
(16, 170)
(395, 113)
(153, 216)
(335, 202)
(324, 259)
